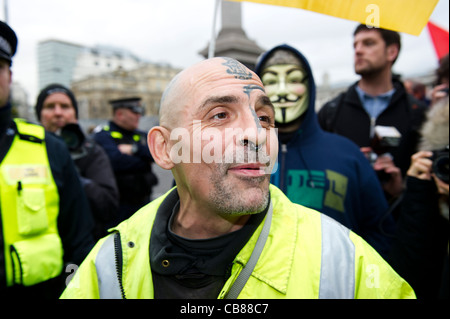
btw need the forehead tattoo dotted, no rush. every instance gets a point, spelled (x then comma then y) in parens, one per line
(240, 72)
(237, 69)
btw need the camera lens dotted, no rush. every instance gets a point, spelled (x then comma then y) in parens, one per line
(72, 136)
(440, 167)
(71, 139)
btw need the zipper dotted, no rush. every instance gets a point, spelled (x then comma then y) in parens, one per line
(372, 127)
(118, 261)
(231, 279)
(282, 165)
(13, 253)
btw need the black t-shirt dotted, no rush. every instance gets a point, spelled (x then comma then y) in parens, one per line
(188, 268)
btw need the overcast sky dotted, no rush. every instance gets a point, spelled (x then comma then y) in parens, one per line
(174, 31)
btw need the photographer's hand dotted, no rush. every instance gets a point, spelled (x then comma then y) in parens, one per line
(394, 186)
(421, 165)
(438, 93)
(441, 186)
(125, 149)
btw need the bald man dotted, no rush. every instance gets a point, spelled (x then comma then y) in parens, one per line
(224, 231)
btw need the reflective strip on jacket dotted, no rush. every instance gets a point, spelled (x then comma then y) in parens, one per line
(307, 255)
(29, 210)
(119, 136)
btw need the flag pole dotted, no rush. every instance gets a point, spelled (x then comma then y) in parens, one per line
(212, 43)
(5, 10)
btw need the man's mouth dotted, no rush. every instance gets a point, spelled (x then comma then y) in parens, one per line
(250, 169)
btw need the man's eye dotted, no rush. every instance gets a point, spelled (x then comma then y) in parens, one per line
(220, 116)
(265, 119)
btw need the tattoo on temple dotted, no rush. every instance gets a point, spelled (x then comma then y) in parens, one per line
(248, 90)
(237, 69)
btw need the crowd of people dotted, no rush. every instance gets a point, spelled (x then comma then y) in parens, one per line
(347, 202)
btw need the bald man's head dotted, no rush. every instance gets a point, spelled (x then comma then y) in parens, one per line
(214, 117)
(181, 91)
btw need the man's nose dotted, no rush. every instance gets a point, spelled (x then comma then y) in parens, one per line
(254, 135)
(358, 48)
(57, 109)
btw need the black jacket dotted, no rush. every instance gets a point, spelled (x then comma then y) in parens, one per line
(420, 252)
(134, 176)
(346, 116)
(97, 177)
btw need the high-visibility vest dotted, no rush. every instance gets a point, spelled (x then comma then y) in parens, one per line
(29, 210)
(306, 255)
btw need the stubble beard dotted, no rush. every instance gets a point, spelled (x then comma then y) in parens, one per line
(229, 200)
(369, 70)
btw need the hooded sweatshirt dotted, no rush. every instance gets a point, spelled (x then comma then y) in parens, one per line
(329, 173)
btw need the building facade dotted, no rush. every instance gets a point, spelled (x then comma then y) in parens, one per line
(148, 81)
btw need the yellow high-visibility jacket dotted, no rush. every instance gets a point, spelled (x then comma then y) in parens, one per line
(306, 255)
(29, 200)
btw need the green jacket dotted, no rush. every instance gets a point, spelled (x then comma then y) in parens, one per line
(307, 255)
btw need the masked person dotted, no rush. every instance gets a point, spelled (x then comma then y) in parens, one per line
(128, 152)
(57, 110)
(45, 220)
(317, 169)
(224, 231)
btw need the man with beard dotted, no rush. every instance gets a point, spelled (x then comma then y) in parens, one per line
(376, 112)
(224, 231)
(319, 170)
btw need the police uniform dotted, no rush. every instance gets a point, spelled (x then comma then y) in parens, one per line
(133, 173)
(45, 220)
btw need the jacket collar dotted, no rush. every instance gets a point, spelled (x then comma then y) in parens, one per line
(281, 242)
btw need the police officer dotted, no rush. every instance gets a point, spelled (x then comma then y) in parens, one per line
(45, 220)
(127, 149)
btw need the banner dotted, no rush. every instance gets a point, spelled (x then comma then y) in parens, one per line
(399, 15)
(439, 36)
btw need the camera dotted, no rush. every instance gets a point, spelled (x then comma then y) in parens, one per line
(440, 164)
(385, 137)
(72, 136)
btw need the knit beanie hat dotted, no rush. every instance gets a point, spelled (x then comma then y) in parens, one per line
(51, 89)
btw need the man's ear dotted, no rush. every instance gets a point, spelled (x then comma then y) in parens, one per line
(392, 52)
(158, 144)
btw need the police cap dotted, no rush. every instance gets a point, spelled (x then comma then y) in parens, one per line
(8, 42)
(133, 103)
